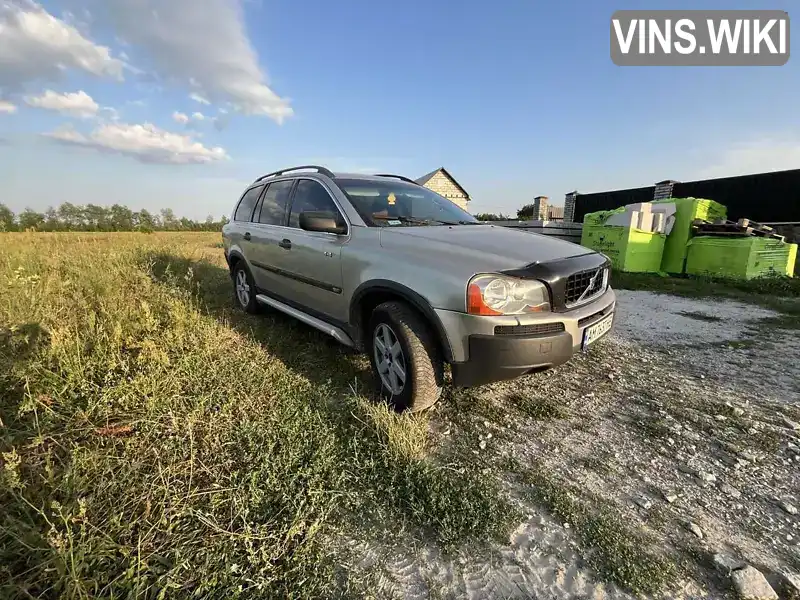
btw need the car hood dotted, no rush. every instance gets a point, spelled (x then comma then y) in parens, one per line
(478, 248)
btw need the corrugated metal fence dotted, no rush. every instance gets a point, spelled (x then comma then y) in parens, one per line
(763, 197)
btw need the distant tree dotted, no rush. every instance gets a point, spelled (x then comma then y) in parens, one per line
(71, 217)
(145, 221)
(121, 218)
(6, 219)
(526, 213)
(97, 218)
(168, 220)
(30, 219)
(51, 220)
(492, 217)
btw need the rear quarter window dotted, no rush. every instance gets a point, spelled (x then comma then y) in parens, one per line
(244, 211)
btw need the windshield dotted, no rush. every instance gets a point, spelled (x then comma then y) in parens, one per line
(398, 204)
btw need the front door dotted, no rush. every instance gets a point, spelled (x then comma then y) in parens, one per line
(312, 260)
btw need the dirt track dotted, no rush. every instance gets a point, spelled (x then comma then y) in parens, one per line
(682, 424)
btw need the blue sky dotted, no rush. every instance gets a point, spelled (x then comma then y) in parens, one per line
(516, 99)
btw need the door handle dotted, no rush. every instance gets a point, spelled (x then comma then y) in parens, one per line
(247, 236)
(286, 244)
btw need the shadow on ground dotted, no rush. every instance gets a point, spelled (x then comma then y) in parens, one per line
(17, 345)
(306, 351)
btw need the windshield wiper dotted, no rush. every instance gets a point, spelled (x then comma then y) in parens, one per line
(403, 219)
(457, 222)
(420, 221)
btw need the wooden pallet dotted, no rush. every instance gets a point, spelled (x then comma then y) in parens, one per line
(742, 228)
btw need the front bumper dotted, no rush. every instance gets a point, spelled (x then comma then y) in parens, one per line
(481, 354)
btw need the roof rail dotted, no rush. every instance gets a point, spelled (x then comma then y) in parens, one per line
(319, 169)
(396, 177)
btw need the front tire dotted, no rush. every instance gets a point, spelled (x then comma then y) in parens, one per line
(244, 288)
(405, 357)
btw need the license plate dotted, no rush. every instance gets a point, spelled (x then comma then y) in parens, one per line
(598, 330)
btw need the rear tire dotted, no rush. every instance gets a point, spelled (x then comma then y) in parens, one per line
(405, 357)
(244, 288)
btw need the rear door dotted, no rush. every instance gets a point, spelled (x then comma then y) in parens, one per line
(266, 231)
(312, 264)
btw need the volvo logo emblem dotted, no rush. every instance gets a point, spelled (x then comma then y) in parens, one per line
(589, 288)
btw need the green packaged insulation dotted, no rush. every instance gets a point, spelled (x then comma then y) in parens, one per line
(686, 211)
(630, 250)
(740, 257)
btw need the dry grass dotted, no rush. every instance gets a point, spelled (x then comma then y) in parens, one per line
(156, 443)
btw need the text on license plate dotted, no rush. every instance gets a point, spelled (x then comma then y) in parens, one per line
(598, 330)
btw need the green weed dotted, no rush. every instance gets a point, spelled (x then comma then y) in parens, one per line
(157, 443)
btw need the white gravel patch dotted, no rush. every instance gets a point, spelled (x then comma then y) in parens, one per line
(720, 340)
(660, 319)
(683, 415)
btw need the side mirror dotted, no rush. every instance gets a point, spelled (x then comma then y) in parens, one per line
(322, 221)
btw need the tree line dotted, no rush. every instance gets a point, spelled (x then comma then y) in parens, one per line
(526, 213)
(91, 217)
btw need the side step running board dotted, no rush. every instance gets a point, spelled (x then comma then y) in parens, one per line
(333, 331)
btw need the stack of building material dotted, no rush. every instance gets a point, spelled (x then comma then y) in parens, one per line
(687, 235)
(686, 211)
(742, 250)
(741, 228)
(645, 216)
(631, 236)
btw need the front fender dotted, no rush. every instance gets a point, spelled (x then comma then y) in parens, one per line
(413, 298)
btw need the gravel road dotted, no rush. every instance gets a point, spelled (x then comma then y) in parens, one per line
(683, 422)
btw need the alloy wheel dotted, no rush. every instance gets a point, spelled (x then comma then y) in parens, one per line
(242, 288)
(389, 359)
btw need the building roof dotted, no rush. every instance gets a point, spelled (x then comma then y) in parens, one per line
(428, 176)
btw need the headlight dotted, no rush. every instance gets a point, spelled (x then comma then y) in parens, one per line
(500, 295)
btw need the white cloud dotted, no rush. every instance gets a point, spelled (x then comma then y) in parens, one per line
(7, 108)
(78, 104)
(198, 98)
(756, 156)
(35, 45)
(198, 116)
(113, 113)
(206, 49)
(146, 143)
(179, 117)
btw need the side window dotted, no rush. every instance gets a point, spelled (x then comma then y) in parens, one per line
(247, 204)
(310, 195)
(273, 207)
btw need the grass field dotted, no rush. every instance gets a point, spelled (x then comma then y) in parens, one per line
(157, 443)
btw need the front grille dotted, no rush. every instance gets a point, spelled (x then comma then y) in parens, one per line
(583, 286)
(542, 329)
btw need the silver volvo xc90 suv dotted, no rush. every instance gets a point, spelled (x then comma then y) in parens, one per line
(393, 269)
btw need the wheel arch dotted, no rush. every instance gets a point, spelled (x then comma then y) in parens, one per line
(372, 293)
(234, 257)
